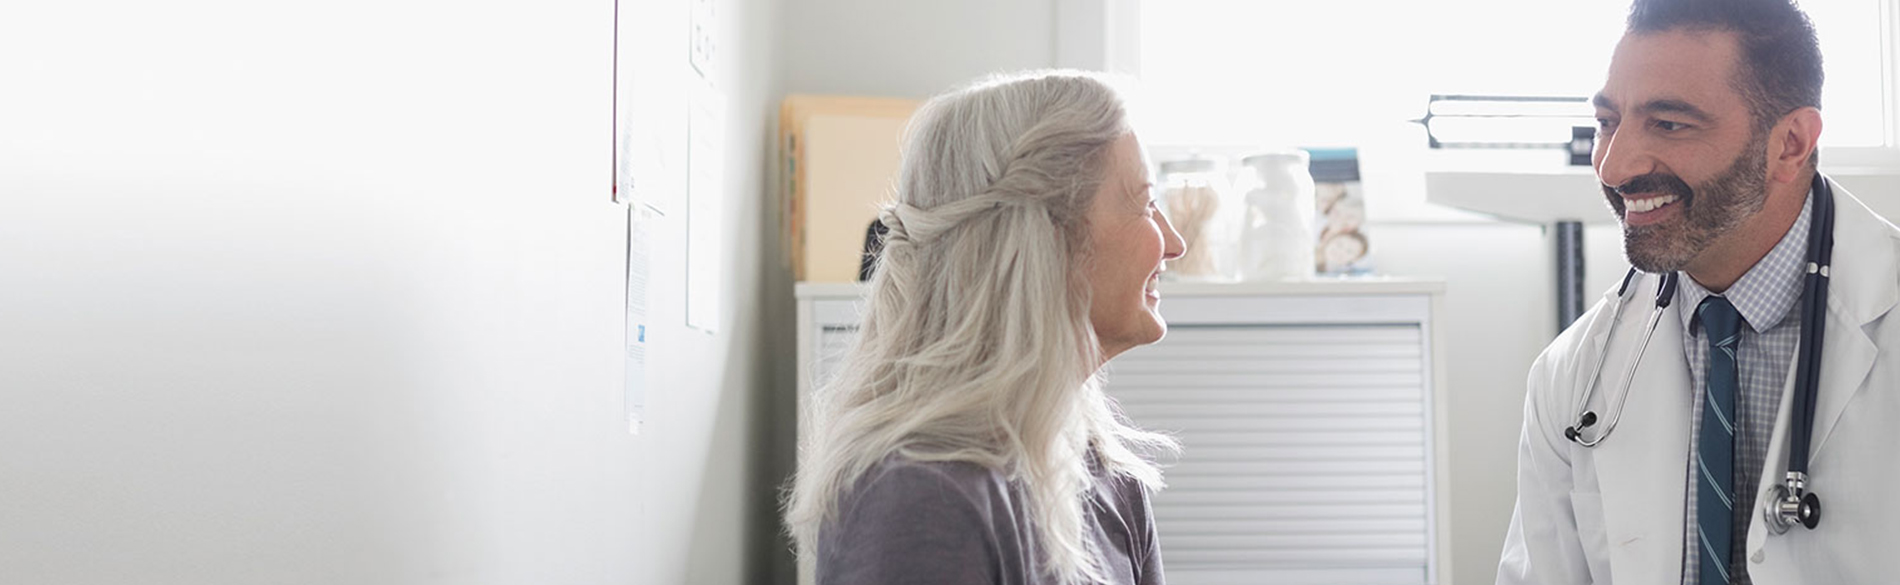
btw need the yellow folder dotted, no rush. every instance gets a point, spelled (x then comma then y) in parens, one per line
(840, 158)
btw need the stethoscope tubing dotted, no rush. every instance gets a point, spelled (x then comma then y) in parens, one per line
(1813, 330)
(1796, 504)
(1629, 379)
(1665, 294)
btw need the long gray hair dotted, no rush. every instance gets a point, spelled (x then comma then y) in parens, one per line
(976, 343)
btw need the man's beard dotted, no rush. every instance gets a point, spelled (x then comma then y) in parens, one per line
(1708, 211)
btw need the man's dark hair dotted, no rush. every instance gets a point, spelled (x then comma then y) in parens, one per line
(1780, 68)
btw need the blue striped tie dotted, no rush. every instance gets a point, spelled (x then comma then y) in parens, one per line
(1715, 443)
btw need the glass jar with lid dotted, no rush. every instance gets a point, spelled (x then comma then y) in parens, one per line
(1205, 209)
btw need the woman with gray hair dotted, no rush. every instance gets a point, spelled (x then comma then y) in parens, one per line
(967, 439)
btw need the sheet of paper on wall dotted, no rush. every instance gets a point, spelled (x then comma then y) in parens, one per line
(639, 229)
(706, 209)
(651, 73)
(704, 46)
(640, 171)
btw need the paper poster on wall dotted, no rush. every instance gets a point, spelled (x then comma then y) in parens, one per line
(706, 213)
(650, 73)
(704, 37)
(639, 224)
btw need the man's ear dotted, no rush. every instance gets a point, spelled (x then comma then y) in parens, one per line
(1792, 143)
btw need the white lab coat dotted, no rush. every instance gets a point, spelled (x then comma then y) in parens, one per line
(1614, 513)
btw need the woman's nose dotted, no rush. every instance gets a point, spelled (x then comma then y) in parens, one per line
(1172, 244)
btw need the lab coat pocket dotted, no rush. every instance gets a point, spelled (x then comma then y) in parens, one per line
(1586, 509)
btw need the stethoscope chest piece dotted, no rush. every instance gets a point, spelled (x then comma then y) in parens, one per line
(1793, 505)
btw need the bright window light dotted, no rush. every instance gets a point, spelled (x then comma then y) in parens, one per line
(1334, 72)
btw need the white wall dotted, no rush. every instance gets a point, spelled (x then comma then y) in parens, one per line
(331, 293)
(911, 49)
(1500, 312)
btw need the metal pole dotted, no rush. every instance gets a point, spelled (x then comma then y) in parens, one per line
(1569, 273)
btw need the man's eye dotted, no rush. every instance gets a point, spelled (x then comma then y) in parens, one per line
(1668, 126)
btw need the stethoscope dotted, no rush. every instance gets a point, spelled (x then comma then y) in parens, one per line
(1794, 504)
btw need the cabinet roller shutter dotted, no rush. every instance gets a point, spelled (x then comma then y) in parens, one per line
(1305, 454)
(833, 341)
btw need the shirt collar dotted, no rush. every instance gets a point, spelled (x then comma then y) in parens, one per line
(1765, 293)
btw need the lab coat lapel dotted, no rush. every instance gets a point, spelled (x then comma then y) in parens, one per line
(1772, 468)
(1642, 466)
(1863, 289)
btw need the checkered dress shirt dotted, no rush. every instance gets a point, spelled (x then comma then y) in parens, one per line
(1766, 297)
